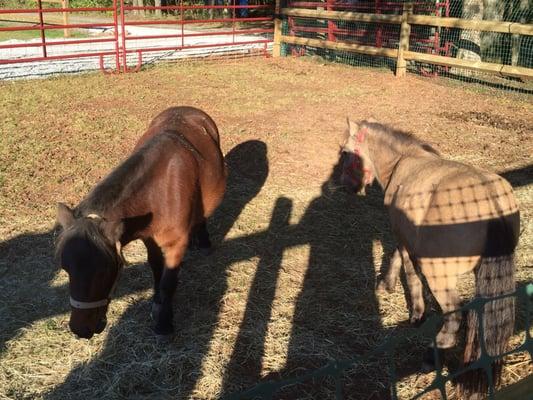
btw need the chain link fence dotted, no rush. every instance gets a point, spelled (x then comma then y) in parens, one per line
(504, 49)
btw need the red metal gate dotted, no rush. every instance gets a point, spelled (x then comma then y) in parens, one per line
(131, 33)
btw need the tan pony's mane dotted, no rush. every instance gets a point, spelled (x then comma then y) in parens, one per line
(397, 137)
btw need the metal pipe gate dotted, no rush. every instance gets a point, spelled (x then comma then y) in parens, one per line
(184, 28)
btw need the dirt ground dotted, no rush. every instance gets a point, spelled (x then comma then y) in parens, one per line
(291, 283)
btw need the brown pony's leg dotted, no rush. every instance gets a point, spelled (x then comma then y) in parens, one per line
(173, 252)
(201, 238)
(157, 262)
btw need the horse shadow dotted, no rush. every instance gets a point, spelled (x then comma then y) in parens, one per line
(27, 272)
(519, 177)
(122, 372)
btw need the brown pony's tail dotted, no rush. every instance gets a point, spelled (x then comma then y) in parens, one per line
(494, 277)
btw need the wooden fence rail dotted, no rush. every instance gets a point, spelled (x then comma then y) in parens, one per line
(478, 25)
(402, 54)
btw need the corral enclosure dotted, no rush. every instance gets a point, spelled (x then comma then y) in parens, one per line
(291, 283)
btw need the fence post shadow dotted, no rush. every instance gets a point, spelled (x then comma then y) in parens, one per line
(253, 329)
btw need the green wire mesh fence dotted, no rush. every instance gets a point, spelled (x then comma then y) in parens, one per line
(336, 371)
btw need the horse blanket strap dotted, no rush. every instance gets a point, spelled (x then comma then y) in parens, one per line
(83, 305)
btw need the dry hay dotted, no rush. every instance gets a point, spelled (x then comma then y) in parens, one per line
(291, 284)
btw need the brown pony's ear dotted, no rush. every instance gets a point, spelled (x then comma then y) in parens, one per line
(353, 127)
(65, 215)
(113, 230)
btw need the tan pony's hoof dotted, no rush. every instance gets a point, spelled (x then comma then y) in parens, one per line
(383, 287)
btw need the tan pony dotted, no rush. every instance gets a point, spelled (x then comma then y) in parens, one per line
(449, 219)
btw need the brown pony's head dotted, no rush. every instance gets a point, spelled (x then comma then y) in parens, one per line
(357, 168)
(88, 249)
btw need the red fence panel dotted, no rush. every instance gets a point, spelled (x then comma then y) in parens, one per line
(125, 32)
(57, 49)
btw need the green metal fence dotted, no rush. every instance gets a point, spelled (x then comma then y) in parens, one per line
(336, 369)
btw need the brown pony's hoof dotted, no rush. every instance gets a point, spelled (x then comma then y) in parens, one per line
(156, 308)
(429, 362)
(206, 251)
(164, 339)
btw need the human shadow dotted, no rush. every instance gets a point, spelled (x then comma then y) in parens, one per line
(336, 314)
(172, 370)
(251, 339)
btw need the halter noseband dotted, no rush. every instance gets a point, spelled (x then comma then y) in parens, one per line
(356, 162)
(361, 135)
(88, 305)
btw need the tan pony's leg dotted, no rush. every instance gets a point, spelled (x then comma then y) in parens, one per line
(388, 281)
(415, 288)
(441, 275)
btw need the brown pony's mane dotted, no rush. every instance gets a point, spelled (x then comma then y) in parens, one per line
(90, 230)
(130, 175)
(395, 137)
(120, 184)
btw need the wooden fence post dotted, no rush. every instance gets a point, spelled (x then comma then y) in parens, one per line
(403, 45)
(276, 49)
(65, 4)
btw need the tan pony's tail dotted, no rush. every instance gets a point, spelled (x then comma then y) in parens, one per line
(494, 277)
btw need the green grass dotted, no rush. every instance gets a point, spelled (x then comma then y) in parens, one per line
(28, 35)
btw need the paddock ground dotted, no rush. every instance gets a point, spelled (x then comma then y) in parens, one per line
(291, 283)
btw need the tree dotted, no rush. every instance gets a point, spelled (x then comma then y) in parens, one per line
(469, 40)
(491, 42)
(138, 3)
(521, 12)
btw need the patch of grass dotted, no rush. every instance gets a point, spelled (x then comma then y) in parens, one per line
(32, 34)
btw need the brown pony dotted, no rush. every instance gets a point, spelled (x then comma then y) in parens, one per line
(162, 194)
(449, 219)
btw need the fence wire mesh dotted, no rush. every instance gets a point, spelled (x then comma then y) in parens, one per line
(492, 47)
(336, 373)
